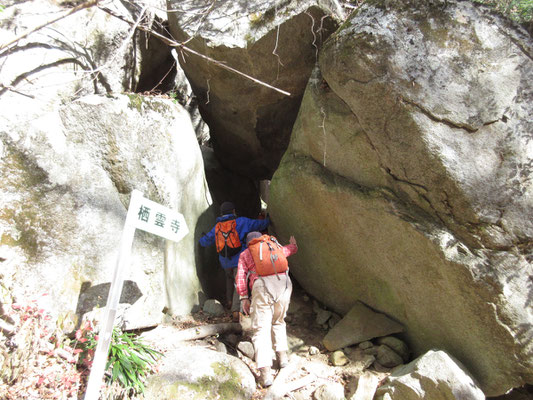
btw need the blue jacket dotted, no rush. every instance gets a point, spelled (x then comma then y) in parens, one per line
(244, 226)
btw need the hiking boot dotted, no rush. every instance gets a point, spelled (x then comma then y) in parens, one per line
(283, 359)
(265, 377)
(236, 316)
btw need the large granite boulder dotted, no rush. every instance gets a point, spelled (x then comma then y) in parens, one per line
(276, 42)
(200, 373)
(67, 177)
(408, 181)
(191, 371)
(433, 376)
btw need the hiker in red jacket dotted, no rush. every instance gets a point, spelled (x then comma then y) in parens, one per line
(270, 297)
(229, 255)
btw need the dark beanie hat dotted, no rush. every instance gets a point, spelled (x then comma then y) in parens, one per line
(251, 236)
(227, 208)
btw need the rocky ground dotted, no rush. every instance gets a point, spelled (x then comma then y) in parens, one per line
(311, 371)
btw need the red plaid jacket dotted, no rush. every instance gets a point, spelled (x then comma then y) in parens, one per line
(246, 265)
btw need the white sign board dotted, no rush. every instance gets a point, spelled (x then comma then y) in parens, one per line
(161, 221)
(150, 217)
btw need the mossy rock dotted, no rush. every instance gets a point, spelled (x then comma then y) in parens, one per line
(200, 374)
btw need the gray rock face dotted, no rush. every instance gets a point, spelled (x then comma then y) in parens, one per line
(68, 174)
(444, 90)
(410, 164)
(433, 376)
(275, 42)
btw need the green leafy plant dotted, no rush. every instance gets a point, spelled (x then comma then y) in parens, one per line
(130, 360)
(174, 97)
(519, 10)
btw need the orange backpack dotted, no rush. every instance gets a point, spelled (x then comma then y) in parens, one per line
(227, 239)
(268, 256)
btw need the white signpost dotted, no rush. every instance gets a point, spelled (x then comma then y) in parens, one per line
(148, 216)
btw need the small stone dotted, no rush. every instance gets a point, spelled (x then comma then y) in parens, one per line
(213, 307)
(335, 318)
(294, 343)
(372, 351)
(329, 391)
(303, 349)
(397, 345)
(247, 349)
(367, 361)
(365, 345)
(380, 368)
(221, 347)
(322, 316)
(313, 351)
(338, 358)
(388, 357)
(359, 360)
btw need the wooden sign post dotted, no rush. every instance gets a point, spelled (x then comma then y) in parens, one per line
(148, 216)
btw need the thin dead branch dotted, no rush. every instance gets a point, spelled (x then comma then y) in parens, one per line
(173, 43)
(203, 331)
(298, 384)
(163, 78)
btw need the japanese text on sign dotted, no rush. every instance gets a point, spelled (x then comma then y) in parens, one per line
(159, 220)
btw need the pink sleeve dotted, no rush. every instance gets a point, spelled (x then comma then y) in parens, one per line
(290, 249)
(242, 271)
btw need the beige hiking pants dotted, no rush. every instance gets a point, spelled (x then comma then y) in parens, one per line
(270, 302)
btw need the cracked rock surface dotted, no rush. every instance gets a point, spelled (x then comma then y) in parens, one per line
(410, 163)
(274, 42)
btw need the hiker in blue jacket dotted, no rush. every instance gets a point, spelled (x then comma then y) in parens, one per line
(229, 236)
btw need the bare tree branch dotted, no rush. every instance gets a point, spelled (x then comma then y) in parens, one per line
(82, 6)
(40, 68)
(173, 43)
